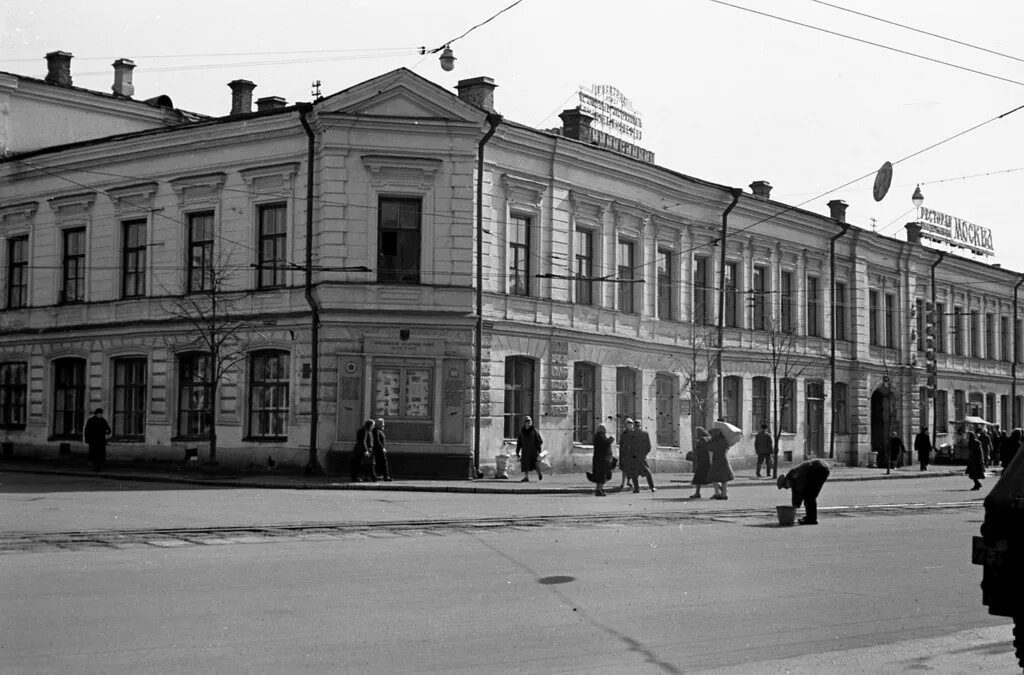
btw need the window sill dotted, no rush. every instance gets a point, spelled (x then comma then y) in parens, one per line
(265, 439)
(189, 439)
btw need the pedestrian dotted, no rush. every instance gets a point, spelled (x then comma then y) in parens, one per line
(923, 447)
(361, 461)
(896, 450)
(701, 461)
(641, 449)
(528, 444)
(806, 480)
(626, 461)
(720, 472)
(764, 448)
(1010, 447)
(602, 463)
(999, 439)
(379, 465)
(986, 446)
(95, 435)
(975, 460)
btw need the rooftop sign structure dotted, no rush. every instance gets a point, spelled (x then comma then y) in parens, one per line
(946, 229)
(613, 113)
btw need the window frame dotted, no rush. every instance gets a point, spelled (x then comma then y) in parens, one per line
(839, 309)
(874, 334)
(664, 275)
(786, 298)
(13, 394)
(69, 420)
(17, 272)
(391, 266)
(732, 400)
(760, 398)
(583, 254)
(813, 302)
(520, 390)
(760, 290)
(626, 262)
(787, 405)
(702, 301)
(732, 290)
(269, 421)
(73, 266)
(519, 254)
(204, 271)
(272, 246)
(840, 408)
(133, 258)
(129, 402)
(584, 401)
(194, 377)
(890, 320)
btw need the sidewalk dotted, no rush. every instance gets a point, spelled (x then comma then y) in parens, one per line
(295, 479)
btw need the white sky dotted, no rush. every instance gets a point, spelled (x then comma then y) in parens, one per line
(726, 95)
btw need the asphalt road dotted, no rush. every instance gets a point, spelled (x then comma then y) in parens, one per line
(529, 583)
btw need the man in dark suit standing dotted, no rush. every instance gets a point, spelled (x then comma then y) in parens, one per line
(923, 446)
(95, 436)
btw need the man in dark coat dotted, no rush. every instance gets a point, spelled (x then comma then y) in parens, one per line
(763, 447)
(896, 450)
(923, 447)
(95, 435)
(806, 480)
(986, 446)
(380, 452)
(362, 453)
(634, 446)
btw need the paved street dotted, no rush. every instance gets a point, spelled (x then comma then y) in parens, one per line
(119, 576)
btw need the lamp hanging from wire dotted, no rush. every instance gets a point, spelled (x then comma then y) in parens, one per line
(918, 197)
(447, 59)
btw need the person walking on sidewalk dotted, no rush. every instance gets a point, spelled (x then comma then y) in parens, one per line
(923, 447)
(806, 480)
(528, 444)
(986, 446)
(95, 435)
(380, 452)
(896, 450)
(701, 461)
(642, 449)
(975, 460)
(361, 460)
(721, 472)
(763, 447)
(601, 465)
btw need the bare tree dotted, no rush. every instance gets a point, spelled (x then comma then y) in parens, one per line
(213, 310)
(786, 362)
(699, 359)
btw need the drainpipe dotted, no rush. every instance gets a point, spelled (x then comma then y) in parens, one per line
(935, 361)
(494, 120)
(735, 192)
(313, 464)
(832, 346)
(1014, 422)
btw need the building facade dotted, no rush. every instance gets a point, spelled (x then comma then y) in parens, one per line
(173, 276)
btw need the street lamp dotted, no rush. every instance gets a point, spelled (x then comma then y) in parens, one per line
(447, 59)
(917, 198)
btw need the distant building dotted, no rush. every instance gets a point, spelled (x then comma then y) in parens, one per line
(601, 292)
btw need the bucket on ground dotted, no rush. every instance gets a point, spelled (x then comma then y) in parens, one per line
(787, 515)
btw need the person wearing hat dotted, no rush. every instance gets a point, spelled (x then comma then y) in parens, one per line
(806, 480)
(95, 436)
(701, 460)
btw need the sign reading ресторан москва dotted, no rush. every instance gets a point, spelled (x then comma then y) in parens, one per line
(947, 229)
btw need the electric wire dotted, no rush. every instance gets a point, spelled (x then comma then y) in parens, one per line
(424, 50)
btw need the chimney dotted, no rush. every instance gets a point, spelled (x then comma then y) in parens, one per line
(761, 189)
(58, 68)
(913, 233)
(478, 91)
(270, 103)
(241, 96)
(123, 78)
(837, 209)
(576, 124)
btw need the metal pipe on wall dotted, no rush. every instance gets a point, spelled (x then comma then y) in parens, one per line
(832, 332)
(735, 192)
(313, 464)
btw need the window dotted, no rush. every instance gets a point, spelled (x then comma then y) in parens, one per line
(990, 336)
(130, 399)
(1018, 340)
(627, 264)
(786, 299)
(976, 404)
(584, 397)
(732, 399)
(919, 323)
(133, 259)
(195, 394)
(813, 306)
(975, 334)
(273, 239)
(200, 252)
(626, 394)
(839, 309)
(732, 315)
(958, 331)
(17, 272)
(268, 394)
(1005, 339)
(941, 412)
(665, 404)
(701, 291)
(583, 249)
(990, 407)
(13, 394)
(403, 392)
(519, 388)
(68, 398)
(787, 401)
(398, 260)
(840, 409)
(873, 337)
(759, 285)
(890, 320)
(760, 389)
(519, 256)
(959, 404)
(1004, 412)
(940, 328)
(73, 266)
(664, 284)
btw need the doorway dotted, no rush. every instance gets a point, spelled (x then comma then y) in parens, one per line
(881, 419)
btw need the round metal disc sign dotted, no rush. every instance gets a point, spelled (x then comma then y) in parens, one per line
(882, 181)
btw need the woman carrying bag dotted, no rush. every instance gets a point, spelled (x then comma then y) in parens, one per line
(604, 462)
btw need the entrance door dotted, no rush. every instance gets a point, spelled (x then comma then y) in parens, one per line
(815, 419)
(880, 420)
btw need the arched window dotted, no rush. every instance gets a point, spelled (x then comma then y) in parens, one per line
(268, 394)
(68, 397)
(519, 391)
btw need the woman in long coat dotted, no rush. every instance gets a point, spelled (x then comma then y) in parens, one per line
(701, 461)
(975, 460)
(721, 472)
(528, 444)
(601, 467)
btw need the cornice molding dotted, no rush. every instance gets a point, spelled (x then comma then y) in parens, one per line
(401, 170)
(136, 198)
(521, 190)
